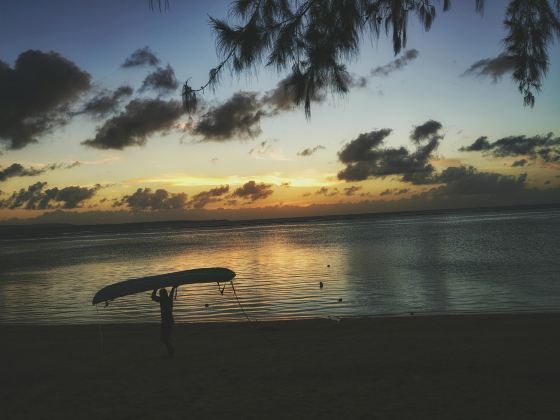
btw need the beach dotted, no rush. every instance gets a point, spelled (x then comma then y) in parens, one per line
(423, 367)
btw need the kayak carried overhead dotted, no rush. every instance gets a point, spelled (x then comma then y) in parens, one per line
(144, 284)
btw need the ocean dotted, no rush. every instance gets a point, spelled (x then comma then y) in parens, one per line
(490, 260)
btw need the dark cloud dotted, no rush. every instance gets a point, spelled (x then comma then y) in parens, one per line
(141, 57)
(35, 96)
(479, 144)
(17, 170)
(545, 147)
(327, 192)
(357, 82)
(365, 157)
(237, 118)
(203, 198)
(394, 191)
(396, 64)
(349, 191)
(36, 197)
(492, 67)
(146, 199)
(363, 148)
(426, 131)
(140, 119)
(162, 80)
(310, 151)
(283, 97)
(519, 163)
(253, 191)
(105, 103)
(467, 180)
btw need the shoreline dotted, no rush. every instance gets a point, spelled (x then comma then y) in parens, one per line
(423, 367)
(334, 318)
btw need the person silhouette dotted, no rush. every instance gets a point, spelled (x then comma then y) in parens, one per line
(166, 307)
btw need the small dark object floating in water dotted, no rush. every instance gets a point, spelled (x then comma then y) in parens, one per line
(206, 305)
(328, 265)
(340, 299)
(321, 284)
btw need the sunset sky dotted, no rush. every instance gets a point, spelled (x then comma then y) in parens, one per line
(90, 97)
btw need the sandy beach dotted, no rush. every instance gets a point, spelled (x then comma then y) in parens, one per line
(421, 367)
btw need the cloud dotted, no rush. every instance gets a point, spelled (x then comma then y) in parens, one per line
(283, 97)
(349, 191)
(467, 180)
(394, 191)
(146, 199)
(492, 67)
(327, 192)
(545, 147)
(253, 191)
(267, 150)
(357, 82)
(237, 118)
(413, 202)
(396, 64)
(426, 131)
(140, 119)
(141, 57)
(519, 163)
(479, 144)
(105, 103)
(203, 198)
(36, 94)
(36, 197)
(18, 170)
(363, 148)
(365, 157)
(310, 151)
(162, 80)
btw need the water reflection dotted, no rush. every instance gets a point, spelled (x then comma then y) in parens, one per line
(483, 262)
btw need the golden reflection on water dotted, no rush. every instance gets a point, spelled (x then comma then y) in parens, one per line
(374, 266)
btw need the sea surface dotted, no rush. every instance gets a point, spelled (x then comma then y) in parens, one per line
(447, 262)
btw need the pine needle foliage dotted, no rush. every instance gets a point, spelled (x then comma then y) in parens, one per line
(314, 40)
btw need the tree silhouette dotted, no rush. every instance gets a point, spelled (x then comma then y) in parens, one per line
(314, 39)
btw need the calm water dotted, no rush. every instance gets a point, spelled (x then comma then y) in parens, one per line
(461, 261)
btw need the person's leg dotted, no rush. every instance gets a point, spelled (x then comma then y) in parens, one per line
(166, 338)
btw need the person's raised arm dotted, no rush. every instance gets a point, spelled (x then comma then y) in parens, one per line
(173, 294)
(155, 296)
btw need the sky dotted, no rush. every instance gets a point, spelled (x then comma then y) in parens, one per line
(92, 129)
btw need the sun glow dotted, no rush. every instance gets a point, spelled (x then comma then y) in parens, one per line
(181, 180)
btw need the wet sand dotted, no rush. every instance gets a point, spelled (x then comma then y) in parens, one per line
(416, 367)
